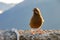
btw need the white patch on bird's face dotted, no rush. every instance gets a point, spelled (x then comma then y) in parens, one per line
(11, 1)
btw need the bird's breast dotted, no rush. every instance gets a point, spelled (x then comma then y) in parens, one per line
(36, 22)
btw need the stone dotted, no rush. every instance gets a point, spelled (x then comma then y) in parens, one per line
(26, 35)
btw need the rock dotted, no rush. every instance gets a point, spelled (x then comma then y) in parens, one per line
(26, 35)
(9, 35)
(50, 35)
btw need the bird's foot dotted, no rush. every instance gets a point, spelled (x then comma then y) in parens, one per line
(33, 32)
(37, 31)
(40, 31)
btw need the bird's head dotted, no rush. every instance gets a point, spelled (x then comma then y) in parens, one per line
(36, 11)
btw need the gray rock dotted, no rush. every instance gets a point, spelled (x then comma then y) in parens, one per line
(9, 35)
(26, 35)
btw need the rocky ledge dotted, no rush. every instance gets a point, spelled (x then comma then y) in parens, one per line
(49, 35)
(26, 35)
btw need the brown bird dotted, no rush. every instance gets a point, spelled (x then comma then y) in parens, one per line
(36, 20)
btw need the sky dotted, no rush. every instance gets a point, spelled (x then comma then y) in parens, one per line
(19, 15)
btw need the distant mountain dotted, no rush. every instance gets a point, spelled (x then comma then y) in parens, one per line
(16, 17)
(19, 16)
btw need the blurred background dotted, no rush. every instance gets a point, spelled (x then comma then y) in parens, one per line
(17, 13)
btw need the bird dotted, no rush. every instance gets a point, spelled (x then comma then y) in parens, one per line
(37, 20)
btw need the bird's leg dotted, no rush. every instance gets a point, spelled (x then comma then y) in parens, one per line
(37, 30)
(40, 31)
(33, 31)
